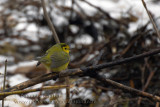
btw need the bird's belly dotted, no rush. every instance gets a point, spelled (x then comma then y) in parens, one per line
(61, 68)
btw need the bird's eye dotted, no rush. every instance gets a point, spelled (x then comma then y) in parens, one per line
(65, 48)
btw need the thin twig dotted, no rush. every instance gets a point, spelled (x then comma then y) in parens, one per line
(67, 92)
(95, 62)
(72, 10)
(34, 90)
(151, 19)
(49, 22)
(4, 81)
(98, 8)
(152, 72)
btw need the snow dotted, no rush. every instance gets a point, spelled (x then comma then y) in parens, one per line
(19, 42)
(16, 101)
(74, 28)
(21, 26)
(9, 68)
(13, 41)
(84, 39)
(16, 79)
(30, 35)
(49, 105)
(114, 7)
(110, 93)
(34, 94)
(27, 63)
(32, 28)
(58, 19)
(35, 47)
(4, 58)
(12, 68)
(83, 93)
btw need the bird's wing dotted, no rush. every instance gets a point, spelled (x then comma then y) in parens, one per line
(58, 59)
(41, 59)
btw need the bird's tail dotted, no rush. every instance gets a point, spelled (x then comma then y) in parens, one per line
(38, 59)
(38, 63)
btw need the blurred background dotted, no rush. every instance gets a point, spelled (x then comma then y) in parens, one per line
(97, 31)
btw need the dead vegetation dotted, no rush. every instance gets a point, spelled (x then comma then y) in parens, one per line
(111, 41)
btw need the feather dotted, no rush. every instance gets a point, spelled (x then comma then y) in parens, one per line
(38, 63)
(58, 59)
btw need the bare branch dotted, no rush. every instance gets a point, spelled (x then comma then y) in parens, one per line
(4, 81)
(127, 89)
(89, 72)
(151, 19)
(49, 22)
(34, 90)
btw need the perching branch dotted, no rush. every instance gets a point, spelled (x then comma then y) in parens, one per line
(88, 71)
(49, 22)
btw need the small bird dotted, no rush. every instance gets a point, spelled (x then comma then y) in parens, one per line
(56, 58)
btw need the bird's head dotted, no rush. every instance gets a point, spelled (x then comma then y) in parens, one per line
(65, 47)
